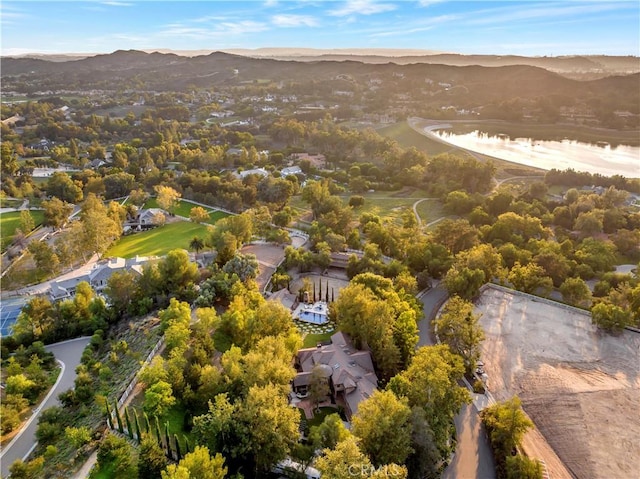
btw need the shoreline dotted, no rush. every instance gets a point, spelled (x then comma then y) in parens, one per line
(428, 127)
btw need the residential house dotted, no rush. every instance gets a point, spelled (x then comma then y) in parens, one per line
(349, 372)
(291, 170)
(256, 171)
(143, 220)
(97, 277)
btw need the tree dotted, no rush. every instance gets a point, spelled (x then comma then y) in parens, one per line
(383, 426)
(154, 372)
(78, 436)
(456, 235)
(56, 212)
(522, 467)
(198, 215)
(272, 423)
(167, 197)
(151, 459)
(431, 383)
(329, 433)
(318, 385)
(530, 278)
(345, 461)
(196, 244)
(27, 470)
(116, 452)
(177, 273)
(158, 398)
(61, 186)
(356, 201)
(464, 282)
(45, 258)
(96, 230)
(576, 292)
(122, 289)
(506, 425)
(198, 464)
(458, 327)
(611, 317)
(9, 159)
(26, 222)
(245, 266)
(424, 461)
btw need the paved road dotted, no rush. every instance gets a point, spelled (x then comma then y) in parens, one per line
(473, 458)
(69, 353)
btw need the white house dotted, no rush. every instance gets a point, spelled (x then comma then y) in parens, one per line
(97, 277)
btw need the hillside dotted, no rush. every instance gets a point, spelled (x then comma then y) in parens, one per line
(167, 71)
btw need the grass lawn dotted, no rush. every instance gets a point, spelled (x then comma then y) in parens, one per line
(430, 210)
(407, 137)
(9, 222)
(312, 339)
(318, 417)
(158, 241)
(184, 209)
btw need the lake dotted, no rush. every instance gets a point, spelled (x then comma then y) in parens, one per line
(604, 159)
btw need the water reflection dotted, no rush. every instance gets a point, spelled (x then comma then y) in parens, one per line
(602, 158)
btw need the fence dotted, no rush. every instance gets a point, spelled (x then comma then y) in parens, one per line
(134, 381)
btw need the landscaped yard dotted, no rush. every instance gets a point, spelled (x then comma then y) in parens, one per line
(183, 208)
(9, 222)
(158, 241)
(318, 416)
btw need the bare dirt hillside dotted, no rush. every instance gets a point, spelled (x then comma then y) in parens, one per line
(581, 387)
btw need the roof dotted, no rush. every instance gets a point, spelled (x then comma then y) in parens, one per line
(351, 368)
(255, 171)
(290, 170)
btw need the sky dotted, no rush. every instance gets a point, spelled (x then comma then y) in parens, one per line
(531, 28)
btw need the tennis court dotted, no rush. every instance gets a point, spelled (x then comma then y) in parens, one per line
(9, 311)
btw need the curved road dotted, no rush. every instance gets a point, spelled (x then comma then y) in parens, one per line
(68, 353)
(473, 458)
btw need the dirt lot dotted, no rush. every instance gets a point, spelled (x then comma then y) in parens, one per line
(581, 387)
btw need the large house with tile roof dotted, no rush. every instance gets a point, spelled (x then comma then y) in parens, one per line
(349, 371)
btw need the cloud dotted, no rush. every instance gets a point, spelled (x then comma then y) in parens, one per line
(118, 4)
(216, 30)
(271, 3)
(10, 15)
(539, 11)
(427, 3)
(419, 26)
(285, 20)
(362, 7)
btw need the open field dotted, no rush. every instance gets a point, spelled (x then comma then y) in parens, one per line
(407, 137)
(580, 386)
(9, 222)
(430, 210)
(183, 208)
(158, 241)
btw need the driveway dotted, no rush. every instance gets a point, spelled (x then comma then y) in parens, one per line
(69, 354)
(473, 458)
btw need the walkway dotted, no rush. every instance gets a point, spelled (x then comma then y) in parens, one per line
(68, 353)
